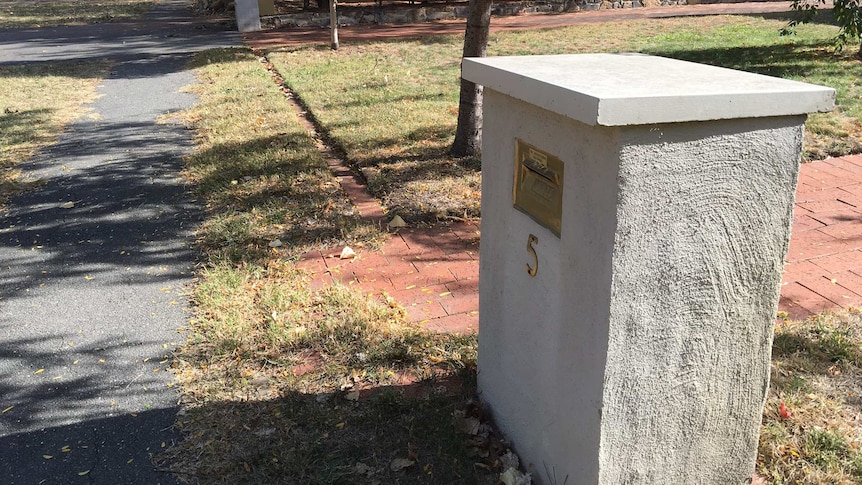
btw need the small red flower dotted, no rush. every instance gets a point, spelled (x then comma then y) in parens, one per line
(782, 410)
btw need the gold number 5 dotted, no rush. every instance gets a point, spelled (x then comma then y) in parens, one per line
(532, 270)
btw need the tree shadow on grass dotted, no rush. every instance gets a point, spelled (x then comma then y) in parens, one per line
(20, 126)
(824, 16)
(303, 438)
(421, 180)
(781, 60)
(272, 188)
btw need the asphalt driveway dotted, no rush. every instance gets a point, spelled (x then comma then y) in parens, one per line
(94, 263)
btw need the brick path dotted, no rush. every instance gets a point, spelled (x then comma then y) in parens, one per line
(824, 263)
(434, 273)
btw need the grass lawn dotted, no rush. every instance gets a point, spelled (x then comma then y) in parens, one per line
(287, 383)
(36, 102)
(816, 369)
(392, 105)
(284, 383)
(20, 14)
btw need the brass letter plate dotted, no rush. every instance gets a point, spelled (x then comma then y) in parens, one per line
(539, 185)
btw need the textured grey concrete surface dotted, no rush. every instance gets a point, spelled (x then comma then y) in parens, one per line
(92, 296)
(703, 225)
(628, 89)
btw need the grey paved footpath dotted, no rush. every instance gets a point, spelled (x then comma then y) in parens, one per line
(91, 297)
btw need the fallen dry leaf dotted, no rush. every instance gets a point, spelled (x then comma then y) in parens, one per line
(396, 222)
(468, 425)
(363, 469)
(399, 464)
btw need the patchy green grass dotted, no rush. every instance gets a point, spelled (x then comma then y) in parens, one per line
(20, 14)
(260, 173)
(392, 105)
(36, 103)
(816, 369)
(282, 382)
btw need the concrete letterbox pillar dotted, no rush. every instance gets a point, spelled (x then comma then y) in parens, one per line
(247, 15)
(636, 213)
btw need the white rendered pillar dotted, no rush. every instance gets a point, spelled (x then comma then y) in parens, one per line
(657, 196)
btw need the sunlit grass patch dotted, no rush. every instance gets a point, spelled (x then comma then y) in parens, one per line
(817, 376)
(392, 105)
(259, 172)
(36, 103)
(34, 14)
(268, 317)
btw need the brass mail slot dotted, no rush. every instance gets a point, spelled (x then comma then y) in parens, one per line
(539, 185)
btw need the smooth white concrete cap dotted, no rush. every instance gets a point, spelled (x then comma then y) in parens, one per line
(637, 89)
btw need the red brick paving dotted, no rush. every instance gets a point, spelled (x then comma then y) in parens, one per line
(434, 272)
(430, 272)
(824, 262)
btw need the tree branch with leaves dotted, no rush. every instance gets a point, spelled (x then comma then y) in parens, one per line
(847, 13)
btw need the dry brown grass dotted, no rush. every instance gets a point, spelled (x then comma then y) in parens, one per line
(282, 382)
(817, 374)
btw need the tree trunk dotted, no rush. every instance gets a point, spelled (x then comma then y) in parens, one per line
(468, 135)
(333, 24)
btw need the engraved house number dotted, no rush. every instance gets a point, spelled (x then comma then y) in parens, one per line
(532, 270)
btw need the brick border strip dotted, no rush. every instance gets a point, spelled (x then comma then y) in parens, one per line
(369, 208)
